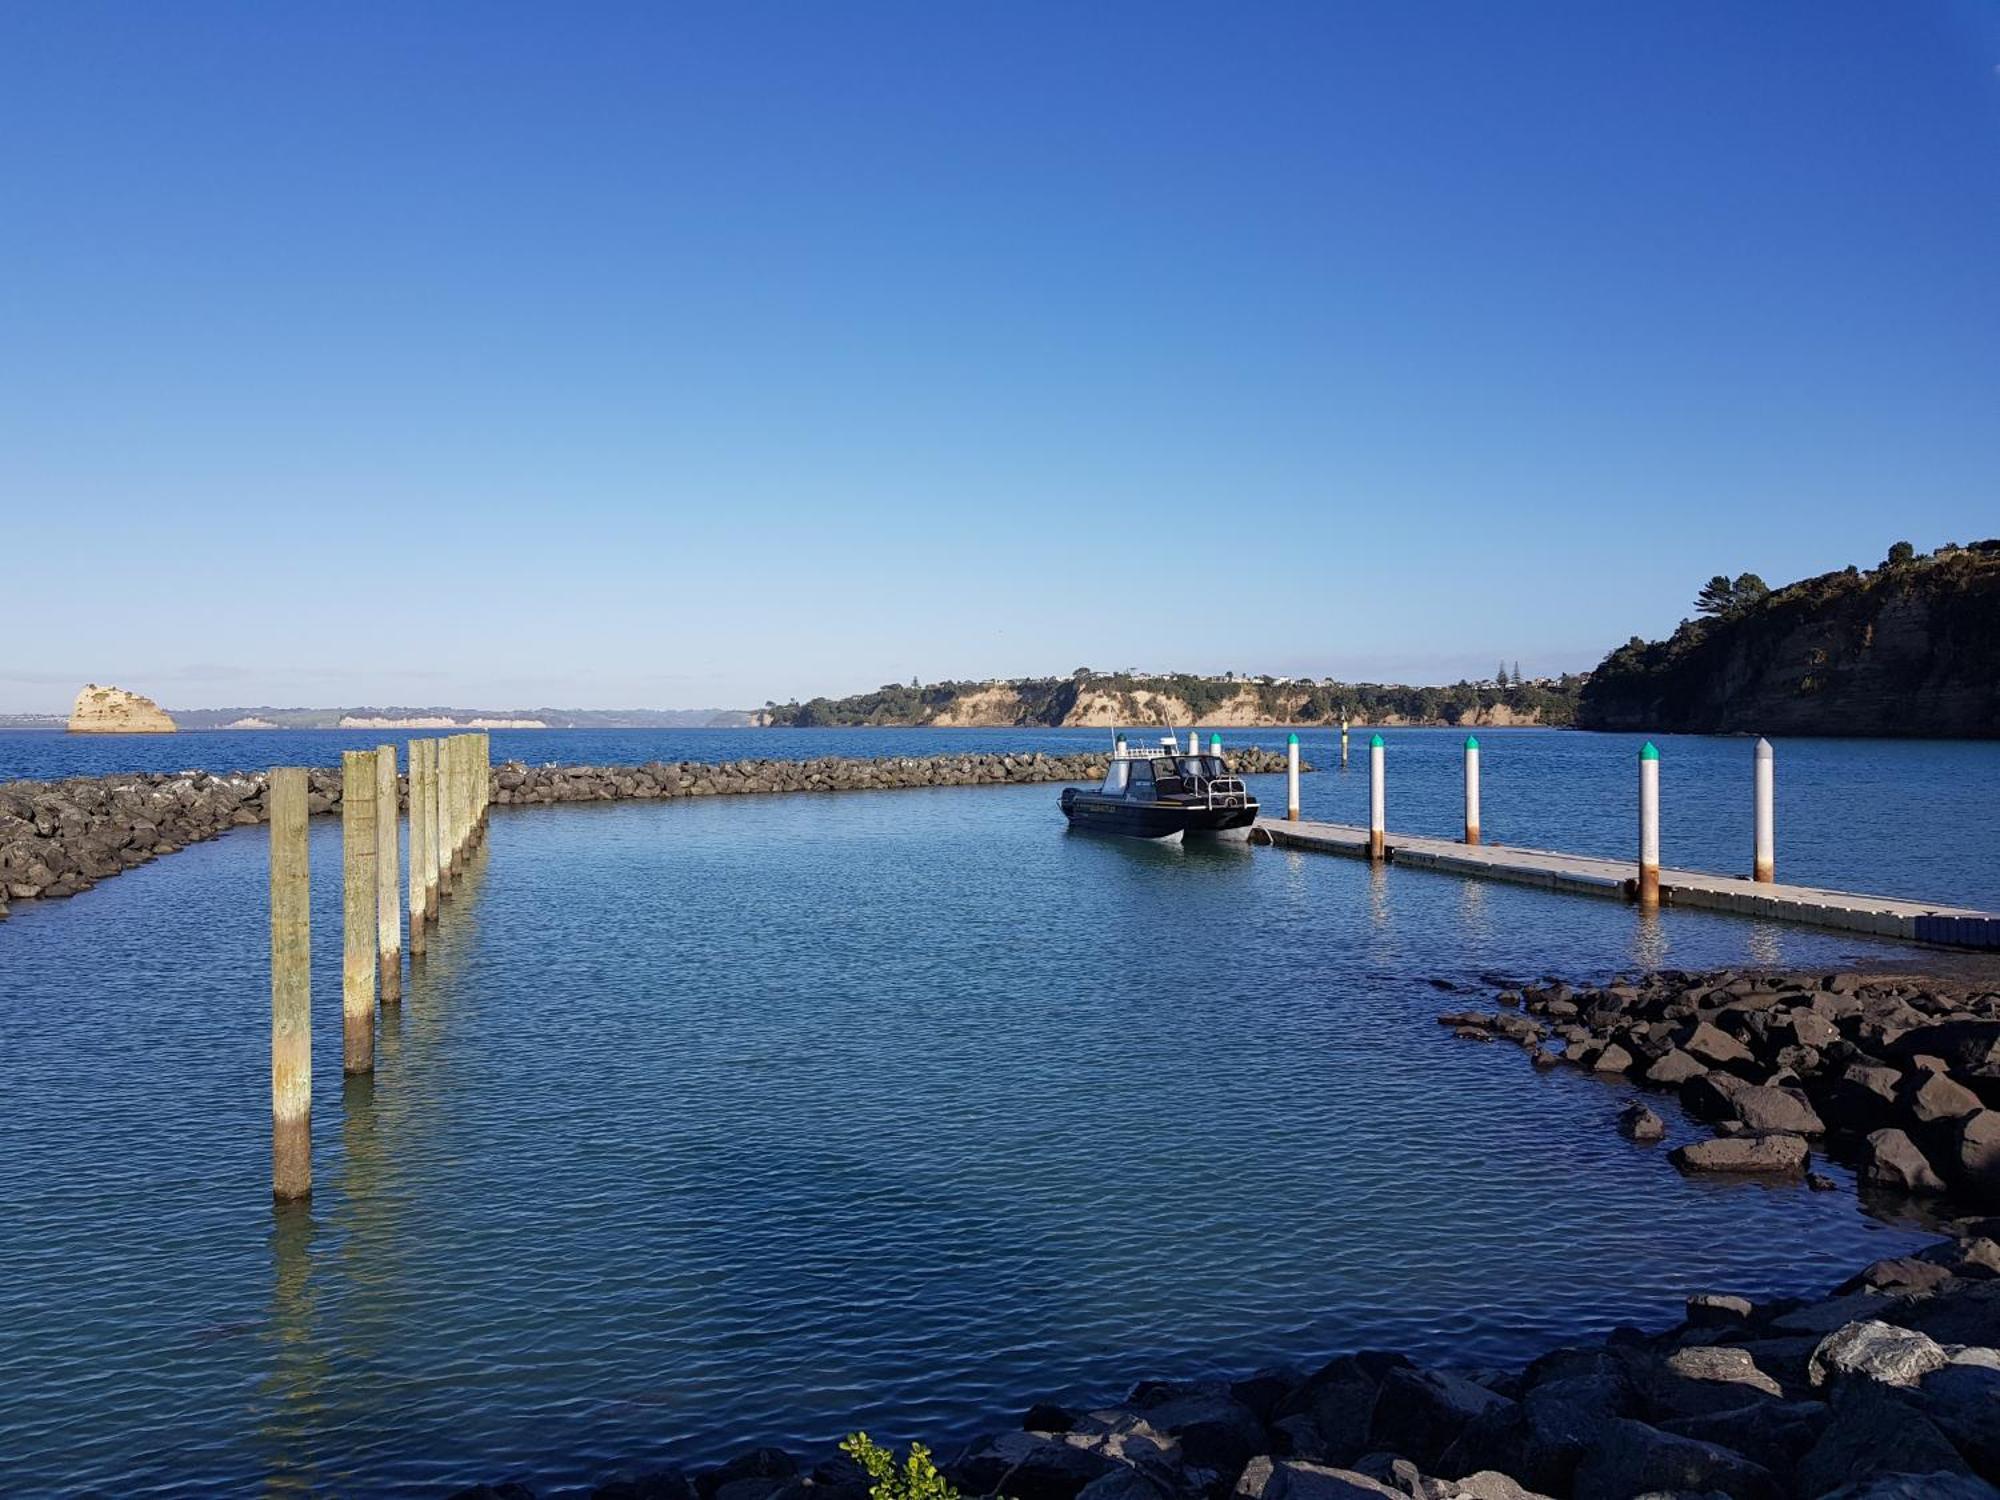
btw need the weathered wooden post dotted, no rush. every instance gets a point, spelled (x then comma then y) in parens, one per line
(389, 893)
(357, 851)
(1765, 867)
(439, 829)
(291, 986)
(448, 808)
(1472, 789)
(485, 774)
(1378, 803)
(420, 855)
(1649, 825)
(1292, 778)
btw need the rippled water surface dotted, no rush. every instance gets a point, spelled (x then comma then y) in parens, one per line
(760, 1119)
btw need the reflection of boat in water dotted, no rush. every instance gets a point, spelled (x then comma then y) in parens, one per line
(1163, 793)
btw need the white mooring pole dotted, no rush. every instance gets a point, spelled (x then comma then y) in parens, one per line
(1292, 778)
(1766, 866)
(1378, 810)
(1649, 825)
(1472, 789)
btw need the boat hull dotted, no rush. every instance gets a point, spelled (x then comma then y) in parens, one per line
(1096, 813)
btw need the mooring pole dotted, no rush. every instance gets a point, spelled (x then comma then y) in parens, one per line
(419, 850)
(1343, 742)
(291, 986)
(1472, 789)
(1378, 809)
(357, 852)
(389, 892)
(1649, 825)
(1214, 744)
(1292, 778)
(1766, 866)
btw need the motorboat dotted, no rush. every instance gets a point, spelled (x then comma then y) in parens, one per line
(1163, 793)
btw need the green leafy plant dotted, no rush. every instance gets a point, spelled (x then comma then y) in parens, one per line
(917, 1478)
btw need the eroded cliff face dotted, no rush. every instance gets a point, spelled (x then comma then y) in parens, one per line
(1909, 649)
(110, 710)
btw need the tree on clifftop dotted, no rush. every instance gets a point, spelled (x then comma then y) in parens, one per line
(1900, 552)
(1716, 596)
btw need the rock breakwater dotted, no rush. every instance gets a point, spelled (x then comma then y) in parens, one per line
(1885, 1387)
(61, 837)
(1898, 1075)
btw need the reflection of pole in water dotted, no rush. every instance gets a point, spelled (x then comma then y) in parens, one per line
(1378, 897)
(294, 1382)
(1472, 912)
(1649, 939)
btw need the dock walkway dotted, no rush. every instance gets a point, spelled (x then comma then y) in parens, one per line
(1881, 916)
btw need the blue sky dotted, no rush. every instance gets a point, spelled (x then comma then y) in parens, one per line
(618, 355)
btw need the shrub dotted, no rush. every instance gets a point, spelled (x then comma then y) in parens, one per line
(916, 1479)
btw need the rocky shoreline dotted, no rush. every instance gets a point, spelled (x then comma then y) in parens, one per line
(58, 838)
(1885, 1388)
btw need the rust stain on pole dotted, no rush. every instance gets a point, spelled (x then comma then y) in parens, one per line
(291, 986)
(388, 883)
(357, 853)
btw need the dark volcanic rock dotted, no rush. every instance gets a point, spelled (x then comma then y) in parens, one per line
(1638, 1123)
(1768, 1155)
(1890, 1159)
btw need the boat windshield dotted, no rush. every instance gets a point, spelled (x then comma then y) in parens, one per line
(1114, 778)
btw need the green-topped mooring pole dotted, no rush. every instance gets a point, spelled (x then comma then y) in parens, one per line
(1472, 789)
(1649, 825)
(1378, 803)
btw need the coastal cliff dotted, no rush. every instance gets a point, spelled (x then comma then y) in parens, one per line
(110, 710)
(1909, 648)
(1105, 700)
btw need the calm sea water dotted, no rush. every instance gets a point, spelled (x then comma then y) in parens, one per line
(1892, 817)
(747, 1120)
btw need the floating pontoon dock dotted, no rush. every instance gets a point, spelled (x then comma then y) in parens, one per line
(1881, 916)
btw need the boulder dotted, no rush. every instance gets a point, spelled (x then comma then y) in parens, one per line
(1775, 1110)
(1966, 1045)
(1863, 1097)
(1635, 1459)
(1933, 1099)
(1874, 1430)
(1711, 1097)
(1915, 1487)
(1339, 1401)
(1638, 1123)
(1709, 1044)
(1890, 1159)
(1422, 1412)
(1672, 1069)
(1761, 1155)
(1028, 1466)
(1704, 1378)
(1973, 1160)
(1771, 1433)
(1963, 1401)
(1874, 1350)
(1290, 1479)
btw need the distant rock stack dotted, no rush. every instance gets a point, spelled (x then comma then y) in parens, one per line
(110, 710)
